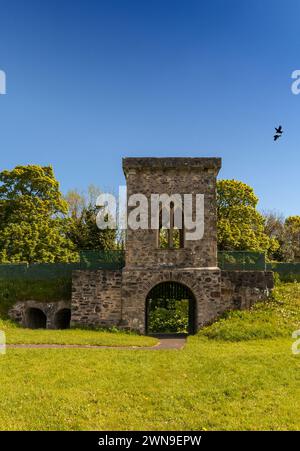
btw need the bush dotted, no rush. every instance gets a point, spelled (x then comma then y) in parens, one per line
(168, 316)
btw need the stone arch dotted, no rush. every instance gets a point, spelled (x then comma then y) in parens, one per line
(172, 290)
(62, 318)
(35, 318)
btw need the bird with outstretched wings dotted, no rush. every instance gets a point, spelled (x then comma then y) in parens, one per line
(278, 133)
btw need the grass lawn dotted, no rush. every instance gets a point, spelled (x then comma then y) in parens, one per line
(20, 335)
(279, 317)
(220, 380)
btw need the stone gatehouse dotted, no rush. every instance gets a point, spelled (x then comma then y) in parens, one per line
(119, 297)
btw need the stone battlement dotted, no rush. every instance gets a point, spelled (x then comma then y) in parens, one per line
(171, 163)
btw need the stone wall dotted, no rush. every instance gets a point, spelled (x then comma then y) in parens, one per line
(118, 298)
(241, 289)
(106, 298)
(96, 298)
(19, 312)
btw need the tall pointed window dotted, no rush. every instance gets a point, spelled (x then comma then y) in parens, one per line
(170, 236)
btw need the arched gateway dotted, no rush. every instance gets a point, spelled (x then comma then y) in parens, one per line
(170, 308)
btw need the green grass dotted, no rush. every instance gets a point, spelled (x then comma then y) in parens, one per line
(278, 317)
(114, 337)
(243, 382)
(213, 385)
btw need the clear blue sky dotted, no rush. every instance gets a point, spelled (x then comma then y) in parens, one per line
(89, 82)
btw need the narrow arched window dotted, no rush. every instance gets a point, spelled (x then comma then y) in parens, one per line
(170, 236)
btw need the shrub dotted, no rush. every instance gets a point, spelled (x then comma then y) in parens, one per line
(168, 316)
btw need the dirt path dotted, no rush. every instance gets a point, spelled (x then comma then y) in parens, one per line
(167, 342)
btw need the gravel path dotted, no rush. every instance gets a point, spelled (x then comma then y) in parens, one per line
(165, 342)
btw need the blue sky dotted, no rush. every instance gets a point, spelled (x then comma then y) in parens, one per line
(89, 82)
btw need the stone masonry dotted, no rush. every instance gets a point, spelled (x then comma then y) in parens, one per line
(107, 298)
(20, 312)
(96, 298)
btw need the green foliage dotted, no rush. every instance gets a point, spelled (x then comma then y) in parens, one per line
(277, 280)
(240, 225)
(274, 228)
(33, 226)
(163, 238)
(293, 223)
(168, 316)
(50, 290)
(85, 234)
(83, 231)
(291, 244)
(287, 233)
(277, 317)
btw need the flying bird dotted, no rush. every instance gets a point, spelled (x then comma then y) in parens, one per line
(279, 130)
(276, 137)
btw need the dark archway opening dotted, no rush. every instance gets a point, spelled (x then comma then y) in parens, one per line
(36, 319)
(170, 309)
(62, 319)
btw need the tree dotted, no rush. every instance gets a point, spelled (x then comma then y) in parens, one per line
(275, 229)
(76, 203)
(240, 225)
(83, 231)
(287, 233)
(291, 244)
(33, 226)
(85, 234)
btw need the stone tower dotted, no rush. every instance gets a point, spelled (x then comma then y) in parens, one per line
(194, 262)
(163, 263)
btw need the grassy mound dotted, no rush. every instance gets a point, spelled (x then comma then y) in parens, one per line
(278, 317)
